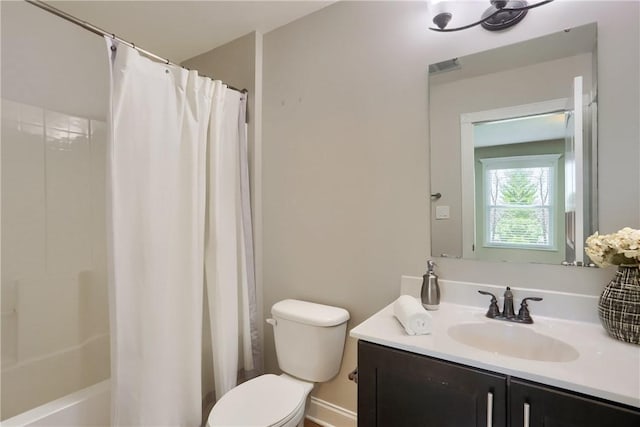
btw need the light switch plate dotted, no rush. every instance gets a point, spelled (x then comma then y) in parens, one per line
(442, 212)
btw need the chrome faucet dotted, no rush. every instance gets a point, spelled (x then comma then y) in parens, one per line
(508, 314)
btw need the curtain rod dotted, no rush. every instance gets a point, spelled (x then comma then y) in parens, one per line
(87, 26)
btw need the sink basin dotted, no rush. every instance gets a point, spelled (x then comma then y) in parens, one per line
(513, 340)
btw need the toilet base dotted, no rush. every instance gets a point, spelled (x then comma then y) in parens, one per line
(232, 412)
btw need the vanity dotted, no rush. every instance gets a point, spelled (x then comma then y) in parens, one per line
(475, 371)
(562, 370)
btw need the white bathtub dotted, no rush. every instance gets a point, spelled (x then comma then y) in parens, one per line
(86, 407)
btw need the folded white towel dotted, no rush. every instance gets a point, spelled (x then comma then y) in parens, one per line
(412, 315)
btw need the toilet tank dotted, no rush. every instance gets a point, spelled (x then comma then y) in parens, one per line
(309, 338)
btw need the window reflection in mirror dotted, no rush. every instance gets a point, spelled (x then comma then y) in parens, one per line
(519, 189)
(511, 150)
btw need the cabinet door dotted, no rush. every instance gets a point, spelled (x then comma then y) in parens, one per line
(534, 405)
(398, 388)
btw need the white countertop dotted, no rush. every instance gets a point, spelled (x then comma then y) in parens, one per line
(606, 368)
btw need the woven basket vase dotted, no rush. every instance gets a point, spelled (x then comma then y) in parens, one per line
(619, 306)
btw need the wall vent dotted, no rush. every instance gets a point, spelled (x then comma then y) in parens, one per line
(444, 66)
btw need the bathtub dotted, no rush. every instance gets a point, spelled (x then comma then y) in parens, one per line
(86, 407)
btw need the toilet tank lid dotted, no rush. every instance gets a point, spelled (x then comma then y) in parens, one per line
(309, 313)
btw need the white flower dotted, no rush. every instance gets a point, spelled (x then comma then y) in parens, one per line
(622, 247)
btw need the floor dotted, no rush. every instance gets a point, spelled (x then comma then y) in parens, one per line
(309, 423)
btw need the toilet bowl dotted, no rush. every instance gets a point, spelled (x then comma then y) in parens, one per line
(265, 401)
(309, 340)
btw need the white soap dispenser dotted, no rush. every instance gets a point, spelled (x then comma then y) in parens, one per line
(430, 292)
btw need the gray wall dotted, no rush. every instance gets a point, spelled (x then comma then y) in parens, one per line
(51, 63)
(345, 173)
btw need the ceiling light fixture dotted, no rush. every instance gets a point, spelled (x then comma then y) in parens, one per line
(500, 15)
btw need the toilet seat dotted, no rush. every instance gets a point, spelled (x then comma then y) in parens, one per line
(266, 401)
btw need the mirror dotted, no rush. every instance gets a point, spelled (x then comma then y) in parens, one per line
(513, 150)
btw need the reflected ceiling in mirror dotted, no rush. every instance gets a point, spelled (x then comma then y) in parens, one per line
(512, 135)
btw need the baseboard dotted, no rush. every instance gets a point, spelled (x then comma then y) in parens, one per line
(329, 415)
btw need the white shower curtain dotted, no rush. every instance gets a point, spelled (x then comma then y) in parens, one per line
(159, 220)
(229, 255)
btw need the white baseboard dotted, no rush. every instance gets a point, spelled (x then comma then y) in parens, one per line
(329, 415)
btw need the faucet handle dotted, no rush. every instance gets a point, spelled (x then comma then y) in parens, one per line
(494, 310)
(523, 314)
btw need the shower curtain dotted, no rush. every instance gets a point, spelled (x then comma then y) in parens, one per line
(228, 237)
(176, 152)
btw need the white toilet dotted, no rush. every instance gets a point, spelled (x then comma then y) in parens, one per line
(309, 342)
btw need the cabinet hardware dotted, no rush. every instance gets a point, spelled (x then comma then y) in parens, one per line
(527, 409)
(489, 409)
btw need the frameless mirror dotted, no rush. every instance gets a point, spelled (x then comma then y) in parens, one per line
(513, 150)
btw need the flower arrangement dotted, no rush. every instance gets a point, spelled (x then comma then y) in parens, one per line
(622, 247)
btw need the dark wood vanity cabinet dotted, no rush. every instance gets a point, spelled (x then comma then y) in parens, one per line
(535, 405)
(398, 388)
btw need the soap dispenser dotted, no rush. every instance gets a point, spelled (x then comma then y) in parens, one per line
(430, 292)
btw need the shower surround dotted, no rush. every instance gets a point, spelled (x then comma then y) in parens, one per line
(55, 328)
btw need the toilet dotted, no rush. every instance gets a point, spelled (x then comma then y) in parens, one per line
(309, 340)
